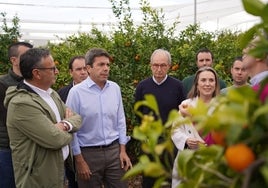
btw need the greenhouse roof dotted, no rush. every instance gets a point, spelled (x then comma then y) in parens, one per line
(41, 21)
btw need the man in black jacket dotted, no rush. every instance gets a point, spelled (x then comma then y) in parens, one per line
(12, 78)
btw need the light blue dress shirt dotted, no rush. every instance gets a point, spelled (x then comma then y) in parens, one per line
(103, 117)
(258, 78)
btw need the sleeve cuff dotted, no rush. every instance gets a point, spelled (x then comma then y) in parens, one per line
(69, 125)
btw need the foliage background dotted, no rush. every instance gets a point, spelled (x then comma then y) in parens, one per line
(238, 122)
(131, 46)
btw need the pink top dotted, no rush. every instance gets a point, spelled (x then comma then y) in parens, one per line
(209, 140)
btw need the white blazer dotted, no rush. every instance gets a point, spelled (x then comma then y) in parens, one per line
(179, 136)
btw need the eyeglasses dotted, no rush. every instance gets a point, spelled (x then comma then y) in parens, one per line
(159, 65)
(47, 68)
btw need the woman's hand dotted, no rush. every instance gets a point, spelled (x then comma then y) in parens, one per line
(183, 108)
(194, 143)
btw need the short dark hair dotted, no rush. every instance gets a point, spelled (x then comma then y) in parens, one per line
(95, 52)
(73, 59)
(31, 59)
(13, 48)
(238, 58)
(204, 50)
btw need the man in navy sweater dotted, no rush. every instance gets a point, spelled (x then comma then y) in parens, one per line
(167, 90)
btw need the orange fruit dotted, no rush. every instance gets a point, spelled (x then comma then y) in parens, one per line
(137, 57)
(175, 67)
(218, 137)
(239, 156)
(128, 43)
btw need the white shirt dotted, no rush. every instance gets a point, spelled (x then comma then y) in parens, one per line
(159, 83)
(45, 95)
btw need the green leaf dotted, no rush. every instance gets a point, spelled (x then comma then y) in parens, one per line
(184, 157)
(261, 49)
(159, 148)
(138, 168)
(144, 159)
(149, 102)
(238, 94)
(173, 115)
(264, 15)
(264, 172)
(210, 153)
(254, 7)
(154, 169)
(248, 36)
(159, 182)
(188, 184)
(153, 103)
(263, 110)
(236, 131)
(138, 134)
(135, 170)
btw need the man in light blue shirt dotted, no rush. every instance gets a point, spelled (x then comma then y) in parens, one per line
(99, 146)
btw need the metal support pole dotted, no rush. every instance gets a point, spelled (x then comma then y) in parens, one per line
(194, 11)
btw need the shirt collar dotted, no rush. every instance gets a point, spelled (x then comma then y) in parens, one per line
(258, 78)
(159, 83)
(39, 91)
(91, 83)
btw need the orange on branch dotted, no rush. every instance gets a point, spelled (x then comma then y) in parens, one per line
(137, 57)
(218, 137)
(111, 58)
(128, 43)
(175, 67)
(56, 62)
(239, 156)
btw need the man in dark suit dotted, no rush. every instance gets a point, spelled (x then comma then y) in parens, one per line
(78, 72)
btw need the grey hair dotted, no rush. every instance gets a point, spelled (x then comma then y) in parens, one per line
(163, 52)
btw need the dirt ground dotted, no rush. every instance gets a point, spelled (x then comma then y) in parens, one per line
(132, 183)
(135, 182)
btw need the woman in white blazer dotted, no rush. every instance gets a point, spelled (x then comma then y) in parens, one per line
(205, 88)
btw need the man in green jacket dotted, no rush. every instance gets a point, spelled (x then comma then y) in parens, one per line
(204, 57)
(40, 127)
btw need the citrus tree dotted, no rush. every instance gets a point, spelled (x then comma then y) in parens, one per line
(238, 124)
(131, 46)
(9, 34)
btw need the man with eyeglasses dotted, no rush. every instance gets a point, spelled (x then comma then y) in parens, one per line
(12, 78)
(78, 72)
(167, 90)
(39, 124)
